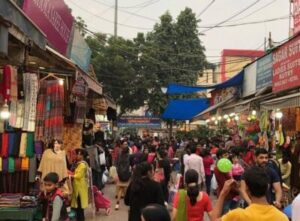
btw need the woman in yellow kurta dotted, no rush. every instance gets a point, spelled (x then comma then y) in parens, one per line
(80, 185)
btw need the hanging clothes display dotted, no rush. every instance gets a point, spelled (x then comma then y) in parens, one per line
(49, 119)
(72, 136)
(30, 82)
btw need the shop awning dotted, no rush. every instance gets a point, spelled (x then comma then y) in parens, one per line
(237, 80)
(288, 101)
(92, 83)
(185, 109)
(211, 108)
(10, 12)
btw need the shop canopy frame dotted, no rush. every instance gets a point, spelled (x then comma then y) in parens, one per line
(288, 101)
(237, 80)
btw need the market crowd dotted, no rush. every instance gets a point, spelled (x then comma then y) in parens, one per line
(227, 180)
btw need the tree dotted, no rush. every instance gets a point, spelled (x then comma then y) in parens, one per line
(81, 25)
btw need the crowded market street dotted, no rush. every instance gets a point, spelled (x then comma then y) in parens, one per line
(149, 110)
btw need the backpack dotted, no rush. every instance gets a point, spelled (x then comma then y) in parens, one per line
(123, 167)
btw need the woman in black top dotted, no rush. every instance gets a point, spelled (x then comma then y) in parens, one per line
(142, 191)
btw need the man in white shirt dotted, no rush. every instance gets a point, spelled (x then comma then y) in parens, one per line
(296, 209)
(195, 162)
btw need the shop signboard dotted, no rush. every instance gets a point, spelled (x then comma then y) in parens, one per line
(296, 16)
(249, 85)
(220, 95)
(286, 65)
(139, 122)
(264, 72)
(54, 18)
(80, 51)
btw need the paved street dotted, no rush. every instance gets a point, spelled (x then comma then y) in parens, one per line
(120, 215)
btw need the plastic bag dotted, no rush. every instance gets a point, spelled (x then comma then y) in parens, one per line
(214, 184)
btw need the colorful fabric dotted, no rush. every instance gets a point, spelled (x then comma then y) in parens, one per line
(13, 113)
(25, 164)
(4, 149)
(38, 147)
(30, 145)
(180, 204)
(72, 136)
(6, 83)
(13, 84)
(22, 152)
(80, 88)
(50, 111)
(30, 82)
(11, 165)
(18, 162)
(256, 212)
(32, 169)
(20, 114)
(80, 110)
(16, 145)
(4, 165)
(11, 140)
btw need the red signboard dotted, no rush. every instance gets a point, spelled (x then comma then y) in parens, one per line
(54, 18)
(286, 66)
(296, 16)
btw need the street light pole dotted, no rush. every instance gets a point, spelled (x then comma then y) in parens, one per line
(116, 19)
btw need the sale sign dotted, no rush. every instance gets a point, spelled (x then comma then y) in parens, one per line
(54, 18)
(286, 66)
(296, 16)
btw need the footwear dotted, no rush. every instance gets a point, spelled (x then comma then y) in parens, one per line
(117, 207)
(108, 211)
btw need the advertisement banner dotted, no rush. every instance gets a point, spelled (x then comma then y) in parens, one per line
(286, 66)
(54, 18)
(139, 122)
(80, 51)
(249, 85)
(296, 16)
(264, 72)
(220, 95)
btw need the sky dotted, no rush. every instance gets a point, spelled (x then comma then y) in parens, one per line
(99, 16)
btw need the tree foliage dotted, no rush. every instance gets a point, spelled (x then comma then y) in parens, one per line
(133, 71)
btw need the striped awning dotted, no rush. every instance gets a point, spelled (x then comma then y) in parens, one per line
(288, 101)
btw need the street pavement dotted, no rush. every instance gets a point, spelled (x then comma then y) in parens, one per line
(121, 214)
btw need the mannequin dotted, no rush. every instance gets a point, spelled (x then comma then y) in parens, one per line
(54, 160)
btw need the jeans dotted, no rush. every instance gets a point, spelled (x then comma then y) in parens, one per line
(208, 183)
(229, 205)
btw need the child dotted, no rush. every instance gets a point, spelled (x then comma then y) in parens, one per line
(79, 199)
(54, 208)
(101, 202)
(237, 169)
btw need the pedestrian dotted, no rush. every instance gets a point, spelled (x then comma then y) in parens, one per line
(54, 208)
(81, 178)
(190, 204)
(285, 168)
(230, 201)
(208, 162)
(237, 169)
(257, 181)
(142, 191)
(196, 162)
(274, 192)
(155, 212)
(163, 163)
(123, 171)
(295, 209)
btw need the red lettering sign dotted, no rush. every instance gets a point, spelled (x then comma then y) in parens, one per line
(296, 16)
(54, 18)
(286, 66)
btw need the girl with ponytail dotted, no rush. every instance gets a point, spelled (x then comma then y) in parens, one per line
(190, 204)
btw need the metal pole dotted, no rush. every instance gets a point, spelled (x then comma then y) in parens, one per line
(116, 19)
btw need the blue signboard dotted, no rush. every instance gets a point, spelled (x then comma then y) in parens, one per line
(264, 72)
(139, 122)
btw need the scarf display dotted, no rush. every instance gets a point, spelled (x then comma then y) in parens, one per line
(16, 146)
(13, 113)
(72, 136)
(30, 145)
(25, 164)
(6, 83)
(13, 83)
(20, 107)
(49, 120)
(22, 152)
(11, 165)
(80, 110)
(4, 148)
(30, 82)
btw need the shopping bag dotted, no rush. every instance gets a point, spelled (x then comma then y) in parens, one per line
(214, 184)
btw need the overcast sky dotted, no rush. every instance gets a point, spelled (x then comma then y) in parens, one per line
(99, 16)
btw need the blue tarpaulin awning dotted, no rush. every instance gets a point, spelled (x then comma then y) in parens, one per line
(237, 80)
(185, 109)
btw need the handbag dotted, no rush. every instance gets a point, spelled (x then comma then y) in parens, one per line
(159, 174)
